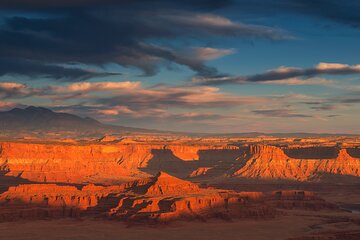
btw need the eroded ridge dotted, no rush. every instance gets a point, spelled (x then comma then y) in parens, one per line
(161, 198)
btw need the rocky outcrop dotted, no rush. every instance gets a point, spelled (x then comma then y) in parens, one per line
(165, 198)
(164, 184)
(97, 163)
(270, 162)
(117, 162)
(71, 163)
(161, 198)
(200, 171)
(344, 164)
(157, 199)
(42, 201)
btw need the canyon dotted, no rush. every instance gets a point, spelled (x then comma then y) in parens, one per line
(124, 160)
(161, 198)
(155, 180)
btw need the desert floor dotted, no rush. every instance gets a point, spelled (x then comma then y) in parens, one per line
(293, 224)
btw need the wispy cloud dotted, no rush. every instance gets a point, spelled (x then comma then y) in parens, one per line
(95, 86)
(300, 81)
(208, 53)
(281, 113)
(285, 75)
(176, 96)
(133, 99)
(10, 90)
(38, 69)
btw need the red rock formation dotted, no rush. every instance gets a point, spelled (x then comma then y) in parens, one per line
(164, 184)
(70, 163)
(113, 163)
(96, 163)
(200, 171)
(344, 164)
(160, 198)
(269, 162)
(164, 198)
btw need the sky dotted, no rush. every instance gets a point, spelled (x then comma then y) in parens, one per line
(202, 66)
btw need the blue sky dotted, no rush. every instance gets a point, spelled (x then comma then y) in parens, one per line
(204, 66)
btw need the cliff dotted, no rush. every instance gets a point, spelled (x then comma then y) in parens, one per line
(162, 198)
(102, 163)
(270, 162)
(157, 199)
(113, 163)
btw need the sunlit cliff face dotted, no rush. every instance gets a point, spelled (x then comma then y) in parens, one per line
(157, 199)
(119, 162)
(155, 179)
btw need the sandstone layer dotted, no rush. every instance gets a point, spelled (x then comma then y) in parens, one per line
(269, 162)
(159, 198)
(162, 198)
(113, 163)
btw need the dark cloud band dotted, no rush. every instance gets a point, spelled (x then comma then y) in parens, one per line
(283, 73)
(128, 34)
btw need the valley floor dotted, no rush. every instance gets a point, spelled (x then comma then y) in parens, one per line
(292, 225)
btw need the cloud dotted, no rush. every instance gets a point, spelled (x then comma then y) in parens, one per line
(325, 11)
(201, 116)
(210, 53)
(332, 103)
(333, 115)
(14, 90)
(350, 100)
(127, 100)
(44, 4)
(324, 107)
(285, 75)
(131, 94)
(300, 81)
(7, 105)
(210, 24)
(163, 114)
(46, 37)
(151, 117)
(132, 100)
(177, 96)
(281, 113)
(345, 12)
(34, 69)
(184, 107)
(95, 86)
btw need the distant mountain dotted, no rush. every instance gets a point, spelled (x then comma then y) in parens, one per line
(46, 120)
(38, 120)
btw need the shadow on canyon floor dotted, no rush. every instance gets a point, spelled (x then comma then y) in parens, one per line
(220, 162)
(8, 181)
(344, 184)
